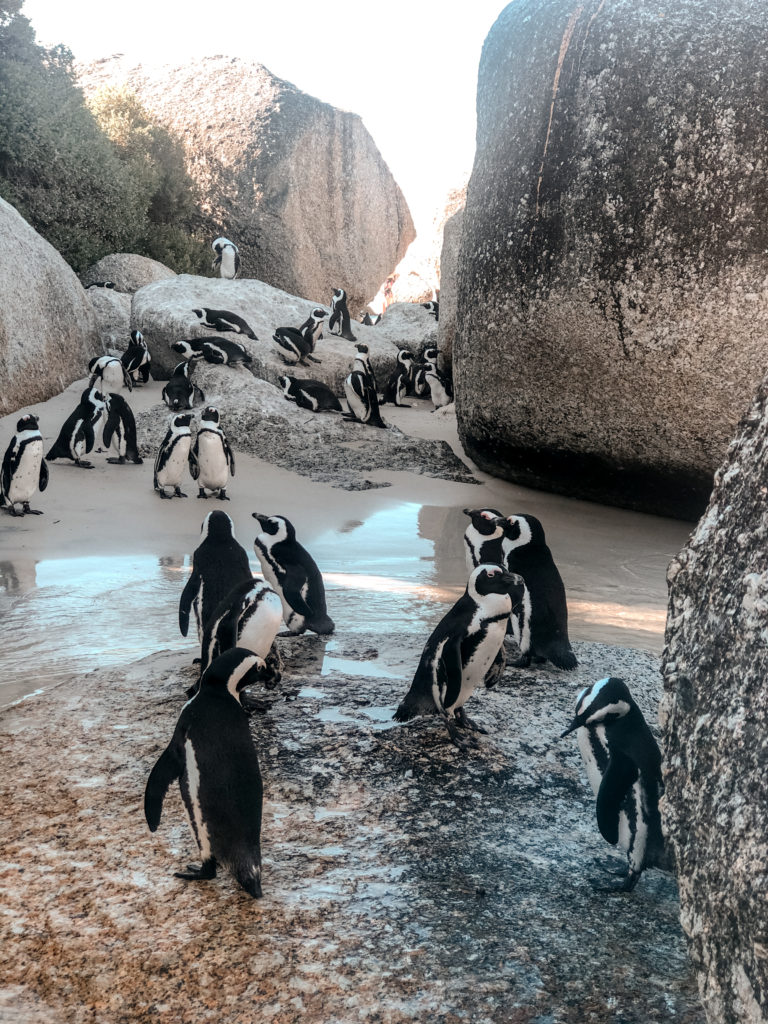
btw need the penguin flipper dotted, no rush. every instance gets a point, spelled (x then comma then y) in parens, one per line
(5, 474)
(109, 430)
(619, 776)
(87, 432)
(291, 587)
(449, 672)
(229, 457)
(194, 465)
(169, 767)
(191, 588)
(43, 476)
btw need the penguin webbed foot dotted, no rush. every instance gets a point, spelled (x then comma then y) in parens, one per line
(522, 661)
(223, 495)
(162, 494)
(312, 359)
(630, 880)
(465, 722)
(459, 736)
(179, 493)
(204, 873)
(116, 462)
(32, 511)
(83, 464)
(201, 494)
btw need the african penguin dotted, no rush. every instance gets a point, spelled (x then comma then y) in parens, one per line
(76, 437)
(136, 359)
(440, 385)
(213, 350)
(541, 629)
(315, 320)
(360, 391)
(227, 260)
(219, 563)
(213, 756)
(433, 308)
(623, 764)
(292, 572)
(211, 461)
(173, 457)
(296, 346)
(462, 649)
(369, 319)
(482, 538)
(310, 394)
(250, 616)
(179, 392)
(24, 469)
(419, 384)
(399, 383)
(120, 432)
(340, 315)
(101, 284)
(223, 320)
(109, 374)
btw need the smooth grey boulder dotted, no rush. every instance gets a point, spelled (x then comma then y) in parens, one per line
(127, 271)
(449, 256)
(113, 316)
(298, 185)
(613, 313)
(48, 329)
(407, 325)
(715, 721)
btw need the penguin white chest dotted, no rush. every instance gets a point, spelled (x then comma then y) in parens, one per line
(194, 810)
(227, 267)
(357, 405)
(214, 471)
(171, 473)
(260, 628)
(112, 376)
(25, 480)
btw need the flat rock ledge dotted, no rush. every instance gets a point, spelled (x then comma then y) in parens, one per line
(403, 880)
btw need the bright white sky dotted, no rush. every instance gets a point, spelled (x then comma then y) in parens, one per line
(408, 67)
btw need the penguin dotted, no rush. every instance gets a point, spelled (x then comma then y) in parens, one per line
(250, 616)
(76, 437)
(310, 394)
(172, 458)
(440, 385)
(623, 764)
(213, 350)
(399, 383)
(340, 315)
(462, 649)
(369, 319)
(180, 392)
(315, 320)
(120, 432)
(211, 461)
(362, 363)
(213, 756)
(219, 563)
(541, 628)
(223, 320)
(360, 391)
(24, 469)
(483, 537)
(136, 359)
(109, 374)
(227, 260)
(292, 572)
(433, 308)
(419, 384)
(101, 284)
(297, 346)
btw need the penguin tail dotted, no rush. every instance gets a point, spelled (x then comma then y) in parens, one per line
(414, 704)
(562, 656)
(324, 626)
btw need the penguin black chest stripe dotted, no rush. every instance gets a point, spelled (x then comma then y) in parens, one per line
(276, 567)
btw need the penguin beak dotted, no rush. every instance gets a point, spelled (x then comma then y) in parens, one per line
(467, 511)
(575, 724)
(261, 518)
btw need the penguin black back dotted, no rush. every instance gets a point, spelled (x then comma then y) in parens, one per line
(219, 563)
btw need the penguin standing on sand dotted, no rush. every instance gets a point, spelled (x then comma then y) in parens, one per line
(213, 756)
(541, 628)
(462, 649)
(76, 437)
(109, 374)
(24, 469)
(136, 359)
(227, 260)
(120, 432)
(219, 563)
(293, 573)
(310, 394)
(179, 392)
(483, 537)
(440, 385)
(623, 764)
(360, 391)
(173, 457)
(399, 383)
(213, 350)
(250, 616)
(211, 461)
(340, 315)
(223, 320)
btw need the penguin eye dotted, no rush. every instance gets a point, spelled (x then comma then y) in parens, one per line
(494, 572)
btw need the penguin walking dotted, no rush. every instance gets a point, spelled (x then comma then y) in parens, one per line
(296, 346)
(462, 649)
(76, 437)
(211, 461)
(340, 315)
(213, 350)
(541, 628)
(219, 563)
(120, 432)
(179, 392)
(227, 259)
(223, 320)
(360, 391)
(136, 359)
(293, 573)
(250, 616)
(109, 374)
(440, 385)
(483, 537)
(399, 383)
(433, 308)
(213, 756)
(310, 394)
(173, 457)
(623, 764)
(24, 468)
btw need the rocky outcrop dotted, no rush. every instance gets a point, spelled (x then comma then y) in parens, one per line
(715, 719)
(127, 271)
(448, 283)
(298, 185)
(48, 329)
(613, 313)
(113, 316)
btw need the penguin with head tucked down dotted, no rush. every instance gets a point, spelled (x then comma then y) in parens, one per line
(227, 259)
(24, 469)
(212, 754)
(179, 392)
(340, 315)
(310, 394)
(120, 432)
(211, 461)
(136, 359)
(221, 351)
(223, 320)
(482, 538)
(109, 374)
(76, 437)
(249, 616)
(173, 457)
(623, 764)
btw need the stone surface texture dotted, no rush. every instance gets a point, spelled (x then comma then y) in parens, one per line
(113, 316)
(127, 271)
(298, 185)
(613, 310)
(715, 717)
(48, 329)
(449, 257)
(403, 881)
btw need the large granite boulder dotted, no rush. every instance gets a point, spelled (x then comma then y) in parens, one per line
(48, 329)
(613, 315)
(127, 271)
(298, 185)
(715, 720)
(448, 283)
(113, 316)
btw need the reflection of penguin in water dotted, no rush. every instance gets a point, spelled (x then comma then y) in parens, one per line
(223, 320)
(211, 460)
(360, 391)
(222, 351)
(340, 315)
(76, 437)
(179, 392)
(291, 571)
(623, 764)
(400, 382)
(213, 756)
(136, 359)
(227, 260)
(541, 629)
(173, 456)
(462, 649)
(310, 394)
(482, 538)
(120, 432)
(24, 469)
(109, 374)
